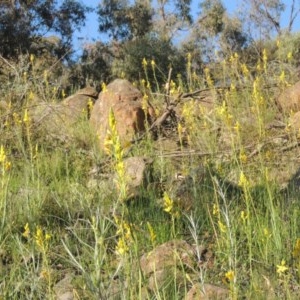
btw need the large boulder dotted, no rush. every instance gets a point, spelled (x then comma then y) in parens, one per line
(80, 103)
(58, 119)
(125, 101)
(289, 100)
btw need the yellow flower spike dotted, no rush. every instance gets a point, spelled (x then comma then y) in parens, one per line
(296, 251)
(7, 166)
(63, 94)
(31, 58)
(282, 76)
(26, 118)
(216, 210)
(39, 237)
(144, 62)
(122, 248)
(267, 232)
(151, 232)
(245, 70)
(243, 157)
(90, 104)
(103, 87)
(31, 95)
(237, 126)
(153, 63)
(145, 102)
(180, 130)
(222, 227)
(244, 216)
(112, 120)
(243, 181)
(2, 154)
(168, 203)
(230, 276)
(265, 59)
(232, 87)
(26, 232)
(289, 56)
(282, 268)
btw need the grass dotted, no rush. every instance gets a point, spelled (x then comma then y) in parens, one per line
(58, 222)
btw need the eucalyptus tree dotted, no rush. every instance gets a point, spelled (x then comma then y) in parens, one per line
(23, 23)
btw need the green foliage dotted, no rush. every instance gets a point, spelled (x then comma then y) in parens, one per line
(122, 21)
(24, 22)
(163, 53)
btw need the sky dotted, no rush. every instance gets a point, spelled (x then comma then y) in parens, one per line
(90, 32)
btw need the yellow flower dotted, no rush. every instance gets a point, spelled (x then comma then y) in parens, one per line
(243, 181)
(26, 232)
(243, 157)
(144, 62)
(45, 274)
(122, 247)
(63, 94)
(237, 126)
(31, 58)
(7, 165)
(265, 59)
(222, 226)
(216, 210)
(267, 233)
(2, 154)
(282, 268)
(296, 252)
(180, 130)
(151, 232)
(244, 216)
(103, 87)
(230, 275)
(153, 63)
(31, 95)
(245, 70)
(39, 237)
(282, 76)
(90, 104)
(168, 203)
(26, 118)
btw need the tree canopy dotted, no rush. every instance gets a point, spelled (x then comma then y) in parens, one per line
(24, 22)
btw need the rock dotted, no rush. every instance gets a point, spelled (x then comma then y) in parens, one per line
(289, 100)
(173, 260)
(57, 119)
(64, 289)
(159, 265)
(206, 291)
(294, 122)
(168, 255)
(125, 101)
(79, 103)
(137, 172)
